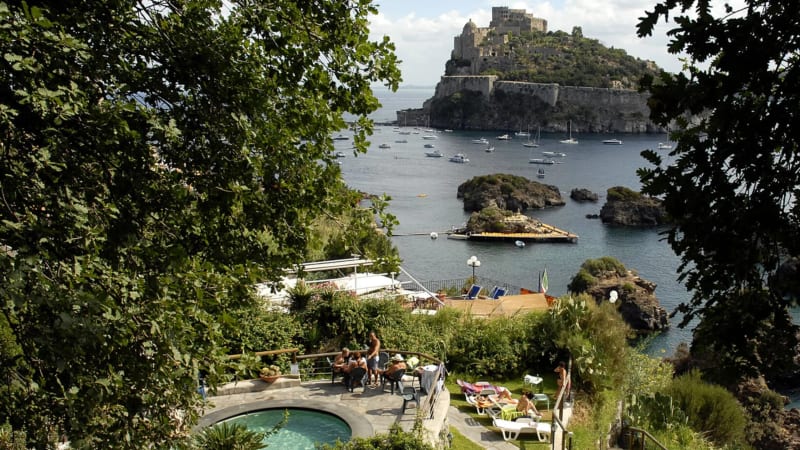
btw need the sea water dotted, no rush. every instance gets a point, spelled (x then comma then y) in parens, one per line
(423, 192)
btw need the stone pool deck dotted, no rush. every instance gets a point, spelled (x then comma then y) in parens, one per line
(368, 411)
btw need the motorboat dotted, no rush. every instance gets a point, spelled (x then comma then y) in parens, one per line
(384, 146)
(428, 137)
(489, 149)
(541, 161)
(341, 137)
(540, 173)
(519, 244)
(459, 158)
(553, 154)
(503, 137)
(401, 141)
(663, 146)
(434, 154)
(340, 154)
(612, 142)
(480, 141)
(429, 146)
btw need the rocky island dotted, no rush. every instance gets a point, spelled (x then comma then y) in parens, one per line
(607, 279)
(630, 208)
(497, 202)
(515, 74)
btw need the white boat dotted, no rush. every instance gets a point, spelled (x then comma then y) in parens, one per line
(521, 133)
(428, 137)
(341, 137)
(434, 154)
(384, 146)
(612, 142)
(569, 140)
(540, 173)
(402, 141)
(519, 244)
(429, 146)
(339, 154)
(406, 133)
(663, 146)
(503, 137)
(535, 142)
(552, 154)
(541, 161)
(489, 149)
(480, 141)
(459, 158)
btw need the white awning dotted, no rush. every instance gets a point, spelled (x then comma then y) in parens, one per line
(364, 283)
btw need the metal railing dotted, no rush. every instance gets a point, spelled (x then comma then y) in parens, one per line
(639, 439)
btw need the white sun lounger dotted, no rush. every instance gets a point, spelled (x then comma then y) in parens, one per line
(511, 430)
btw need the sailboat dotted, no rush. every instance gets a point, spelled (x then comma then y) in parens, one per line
(521, 133)
(534, 143)
(571, 140)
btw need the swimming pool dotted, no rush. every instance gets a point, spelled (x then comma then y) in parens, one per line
(303, 429)
(305, 411)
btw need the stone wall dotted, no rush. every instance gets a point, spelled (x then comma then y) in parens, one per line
(510, 105)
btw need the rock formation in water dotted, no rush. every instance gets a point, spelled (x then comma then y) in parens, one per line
(606, 279)
(496, 220)
(630, 208)
(509, 192)
(583, 195)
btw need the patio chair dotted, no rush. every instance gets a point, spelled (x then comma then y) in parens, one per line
(357, 374)
(334, 372)
(473, 292)
(511, 430)
(498, 293)
(410, 395)
(395, 379)
(493, 292)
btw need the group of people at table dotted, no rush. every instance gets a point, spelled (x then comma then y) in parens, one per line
(346, 361)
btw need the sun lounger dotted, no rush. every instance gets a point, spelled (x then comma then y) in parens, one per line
(512, 430)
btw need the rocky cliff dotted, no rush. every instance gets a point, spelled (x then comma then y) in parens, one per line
(607, 279)
(484, 103)
(508, 192)
(627, 207)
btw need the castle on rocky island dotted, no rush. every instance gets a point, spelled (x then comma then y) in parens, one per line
(467, 100)
(484, 43)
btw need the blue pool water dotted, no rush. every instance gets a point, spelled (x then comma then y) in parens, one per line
(304, 429)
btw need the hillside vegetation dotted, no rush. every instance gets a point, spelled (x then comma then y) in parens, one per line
(568, 60)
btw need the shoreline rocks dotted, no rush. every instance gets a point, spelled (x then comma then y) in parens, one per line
(630, 208)
(508, 192)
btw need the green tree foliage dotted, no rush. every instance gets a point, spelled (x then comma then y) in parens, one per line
(733, 185)
(158, 157)
(709, 408)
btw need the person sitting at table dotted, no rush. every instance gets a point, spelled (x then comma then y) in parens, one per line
(342, 360)
(356, 361)
(397, 363)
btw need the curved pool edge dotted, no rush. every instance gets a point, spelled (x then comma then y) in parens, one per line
(359, 427)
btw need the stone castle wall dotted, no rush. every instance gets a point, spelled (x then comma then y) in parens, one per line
(506, 105)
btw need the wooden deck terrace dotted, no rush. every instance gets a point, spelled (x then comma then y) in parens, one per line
(508, 305)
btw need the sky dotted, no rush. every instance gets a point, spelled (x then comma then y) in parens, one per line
(423, 31)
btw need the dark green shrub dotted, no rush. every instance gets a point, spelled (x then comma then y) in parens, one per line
(710, 408)
(621, 193)
(582, 281)
(606, 264)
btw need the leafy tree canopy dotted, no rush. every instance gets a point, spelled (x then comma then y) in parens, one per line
(158, 157)
(733, 186)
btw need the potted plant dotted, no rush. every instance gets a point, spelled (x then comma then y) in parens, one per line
(270, 373)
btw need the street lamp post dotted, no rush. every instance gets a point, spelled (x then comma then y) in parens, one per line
(473, 262)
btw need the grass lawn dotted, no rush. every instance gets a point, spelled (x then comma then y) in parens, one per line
(526, 441)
